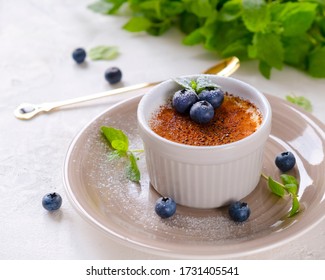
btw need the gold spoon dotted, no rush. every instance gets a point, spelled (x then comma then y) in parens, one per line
(26, 111)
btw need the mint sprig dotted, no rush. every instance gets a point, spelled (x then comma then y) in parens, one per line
(288, 186)
(272, 32)
(201, 83)
(120, 145)
(300, 101)
(103, 53)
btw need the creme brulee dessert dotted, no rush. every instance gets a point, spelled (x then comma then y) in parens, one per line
(213, 155)
(234, 120)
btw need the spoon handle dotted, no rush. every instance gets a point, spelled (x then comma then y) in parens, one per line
(26, 111)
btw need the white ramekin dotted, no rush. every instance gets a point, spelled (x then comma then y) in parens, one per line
(203, 176)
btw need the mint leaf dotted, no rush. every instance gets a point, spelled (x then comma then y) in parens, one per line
(137, 24)
(194, 38)
(106, 6)
(295, 206)
(276, 187)
(230, 11)
(273, 32)
(268, 48)
(288, 179)
(256, 15)
(300, 101)
(291, 188)
(202, 8)
(295, 18)
(132, 170)
(103, 53)
(316, 62)
(296, 50)
(120, 143)
(185, 83)
(116, 137)
(265, 69)
(203, 82)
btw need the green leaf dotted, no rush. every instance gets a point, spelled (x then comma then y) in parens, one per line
(194, 38)
(295, 206)
(265, 69)
(204, 82)
(276, 187)
(188, 23)
(268, 47)
(296, 18)
(185, 83)
(202, 8)
(291, 188)
(118, 140)
(106, 6)
(256, 15)
(296, 50)
(288, 179)
(316, 63)
(103, 53)
(201, 83)
(300, 101)
(120, 143)
(132, 170)
(273, 32)
(230, 11)
(137, 24)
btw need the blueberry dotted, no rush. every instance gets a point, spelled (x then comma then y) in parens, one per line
(183, 100)
(79, 55)
(202, 112)
(214, 97)
(239, 211)
(113, 75)
(285, 161)
(165, 207)
(52, 201)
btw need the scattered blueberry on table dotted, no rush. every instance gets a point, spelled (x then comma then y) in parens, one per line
(239, 211)
(285, 161)
(165, 207)
(52, 201)
(79, 55)
(113, 75)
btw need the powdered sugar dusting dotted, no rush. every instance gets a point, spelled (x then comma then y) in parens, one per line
(126, 208)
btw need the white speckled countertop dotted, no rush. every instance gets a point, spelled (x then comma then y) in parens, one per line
(37, 38)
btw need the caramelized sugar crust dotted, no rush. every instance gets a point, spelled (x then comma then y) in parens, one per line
(235, 119)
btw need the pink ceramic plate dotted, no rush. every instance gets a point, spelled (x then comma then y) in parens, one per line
(100, 192)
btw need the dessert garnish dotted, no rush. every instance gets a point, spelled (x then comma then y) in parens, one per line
(301, 101)
(198, 97)
(288, 187)
(120, 144)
